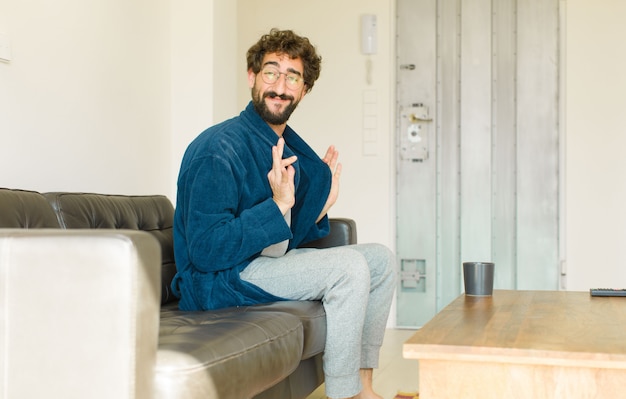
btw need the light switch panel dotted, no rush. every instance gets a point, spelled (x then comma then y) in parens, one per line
(370, 122)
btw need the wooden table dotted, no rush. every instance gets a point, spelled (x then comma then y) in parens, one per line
(523, 344)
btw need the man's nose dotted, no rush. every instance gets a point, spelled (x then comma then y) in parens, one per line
(281, 83)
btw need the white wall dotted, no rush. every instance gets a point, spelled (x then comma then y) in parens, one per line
(203, 43)
(105, 95)
(332, 112)
(596, 143)
(84, 103)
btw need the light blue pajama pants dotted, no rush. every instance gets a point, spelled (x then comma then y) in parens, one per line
(355, 284)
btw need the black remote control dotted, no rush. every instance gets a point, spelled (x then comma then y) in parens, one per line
(607, 292)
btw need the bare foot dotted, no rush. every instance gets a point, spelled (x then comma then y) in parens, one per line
(368, 391)
(366, 381)
(368, 395)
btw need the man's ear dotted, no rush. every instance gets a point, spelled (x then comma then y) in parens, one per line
(251, 78)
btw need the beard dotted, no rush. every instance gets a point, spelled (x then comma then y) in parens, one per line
(268, 116)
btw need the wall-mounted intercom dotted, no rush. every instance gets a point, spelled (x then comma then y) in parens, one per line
(369, 40)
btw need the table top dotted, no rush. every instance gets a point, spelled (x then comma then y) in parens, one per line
(547, 327)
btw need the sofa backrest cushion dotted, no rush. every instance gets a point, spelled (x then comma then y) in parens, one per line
(151, 213)
(25, 209)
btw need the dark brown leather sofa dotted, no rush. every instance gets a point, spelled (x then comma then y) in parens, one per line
(119, 332)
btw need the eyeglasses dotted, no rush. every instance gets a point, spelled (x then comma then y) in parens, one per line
(271, 75)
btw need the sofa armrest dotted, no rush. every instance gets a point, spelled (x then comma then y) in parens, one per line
(79, 313)
(342, 232)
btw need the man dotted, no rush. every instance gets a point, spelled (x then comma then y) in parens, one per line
(250, 191)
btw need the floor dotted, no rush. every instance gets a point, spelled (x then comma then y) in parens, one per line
(395, 373)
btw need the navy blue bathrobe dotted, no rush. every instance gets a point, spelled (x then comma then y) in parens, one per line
(225, 215)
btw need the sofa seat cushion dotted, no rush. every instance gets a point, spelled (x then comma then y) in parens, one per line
(311, 315)
(204, 354)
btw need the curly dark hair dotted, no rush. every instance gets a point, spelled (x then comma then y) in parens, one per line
(294, 46)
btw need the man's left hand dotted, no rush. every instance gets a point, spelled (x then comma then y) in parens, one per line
(330, 159)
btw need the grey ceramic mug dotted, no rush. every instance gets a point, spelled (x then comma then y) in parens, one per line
(478, 278)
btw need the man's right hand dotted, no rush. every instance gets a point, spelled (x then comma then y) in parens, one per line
(281, 178)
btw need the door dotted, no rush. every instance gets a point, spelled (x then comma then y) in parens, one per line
(477, 147)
